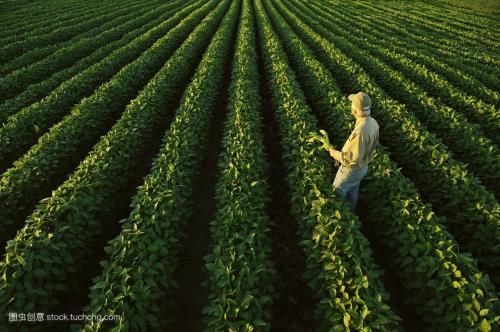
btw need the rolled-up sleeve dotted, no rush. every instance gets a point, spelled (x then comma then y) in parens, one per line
(335, 154)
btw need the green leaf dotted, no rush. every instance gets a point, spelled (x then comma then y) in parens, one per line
(246, 301)
(485, 326)
(329, 266)
(347, 319)
(365, 312)
(100, 284)
(20, 259)
(211, 267)
(39, 272)
(483, 312)
(476, 304)
(355, 316)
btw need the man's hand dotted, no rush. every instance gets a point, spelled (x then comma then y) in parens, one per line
(325, 143)
(321, 138)
(324, 140)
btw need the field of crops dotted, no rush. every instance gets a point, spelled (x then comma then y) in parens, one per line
(159, 172)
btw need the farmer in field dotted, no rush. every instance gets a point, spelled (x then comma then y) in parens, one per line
(357, 152)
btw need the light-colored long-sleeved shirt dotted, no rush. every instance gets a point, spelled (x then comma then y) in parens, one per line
(358, 150)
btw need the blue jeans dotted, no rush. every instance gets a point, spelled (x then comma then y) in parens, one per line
(347, 182)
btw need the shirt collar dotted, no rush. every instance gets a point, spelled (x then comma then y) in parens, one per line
(361, 120)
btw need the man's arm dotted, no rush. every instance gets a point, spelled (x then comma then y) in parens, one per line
(354, 150)
(335, 154)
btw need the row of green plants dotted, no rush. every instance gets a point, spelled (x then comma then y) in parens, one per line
(458, 24)
(39, 53)
(477, 25)
(383, 35)
(36, 54)
(462, 137)
(31, 61)
(42, 263)
(137, 276)
(460, 59)
(50, 25)
(434, 85)
(23, 129)
(44, 8)
(47, 14)
(456, 20)
(30, 70)
(480, 46)
(38, 91)
(67, 143)
(424, 45)
(340, 269)
(470, 19)
(472, 212)
(452, 19)
(7, 52)
(461, 7)
(442, 283)
(239, 269)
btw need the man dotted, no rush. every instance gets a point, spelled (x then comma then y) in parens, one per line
(357, 152)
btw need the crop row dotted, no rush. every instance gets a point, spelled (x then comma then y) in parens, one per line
(12, 50)
(477, 47)
(472, 212)
(451, 19)
(41, 262)
(457, 20)
(383, 35)
(138, 275)
(79, 15)
(460, 59)
(36, 92)
(409, 36)
(63, 57)
(341, 272)
(482, 36)
(466, 10)
(434, 84)
(23, 129)
(38, 63)
(462, 137)
(46, 14)
(60, 149)
(40, 52)
(467, 20)
(37, 54)
(441, 281)
(239, 268)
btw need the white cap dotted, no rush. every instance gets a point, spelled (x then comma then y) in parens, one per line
(361, 102)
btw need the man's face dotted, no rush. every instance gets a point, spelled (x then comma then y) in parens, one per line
(353, 110)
